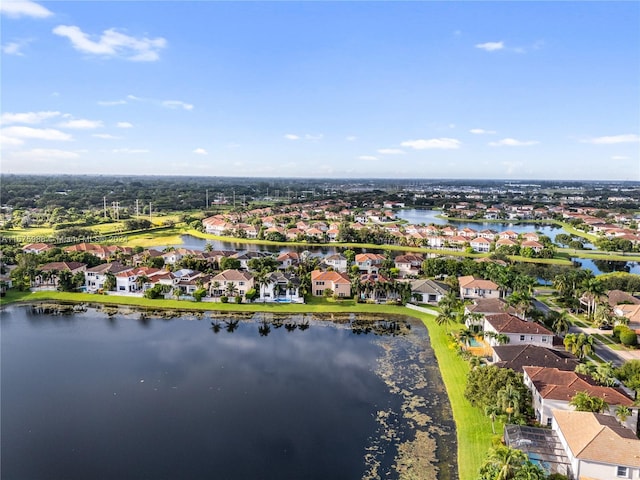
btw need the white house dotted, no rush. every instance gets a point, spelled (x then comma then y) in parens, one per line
(337, 261)
(471, 287)
(280, 287)
(518, 331)
(96, 276)
(231, 281)
(597, 446)
(552, 389)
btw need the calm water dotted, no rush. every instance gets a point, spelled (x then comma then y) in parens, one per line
(92, 396)
(418, 216)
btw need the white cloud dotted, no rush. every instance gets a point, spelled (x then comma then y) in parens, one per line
(45, 154)
(23, 8)
(482, 131)
(291, 136)
(200, 151)
(28, 117)
(130, 150)
(351, 138)
(619, 157)
(113, 44)
(124, 125)
(35, 133)
(106, 136)
(367, 157)
(391, 151)
(110, 103)
(315, 138)
(490, 46)
(6, 141)
(610, 140)
(433, 143)
(512, 142)
(177, 104)
(81, 124)
(14, 48)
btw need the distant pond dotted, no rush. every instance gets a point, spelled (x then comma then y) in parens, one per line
(120, 394)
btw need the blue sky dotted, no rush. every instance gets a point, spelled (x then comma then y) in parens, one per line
(513, 90)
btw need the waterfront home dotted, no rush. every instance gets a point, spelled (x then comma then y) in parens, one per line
(337, 261)
(517, 331)
(428, 291)
(533, 245)
(597, 446)
(280, 287)
(337, 282)
(480, 244)
(516, 357)
(369, 262)
(288, 259)
(95, 277)
(127, 280)
(553, 389)
(51, 271)
(231, 283)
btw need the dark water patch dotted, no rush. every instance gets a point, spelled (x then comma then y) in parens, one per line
(127, 395)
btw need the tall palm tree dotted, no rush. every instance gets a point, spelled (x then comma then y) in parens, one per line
(592, 289)
(214, 288)
(530, 471)
(521, 302)
(231, 290)
(492, 411)
(561, 322)
(603, 315)
(509, 399)
(446, 316)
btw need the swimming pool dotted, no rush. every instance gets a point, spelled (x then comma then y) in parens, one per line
(474, 343)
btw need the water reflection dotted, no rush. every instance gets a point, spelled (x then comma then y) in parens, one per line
(161, 398)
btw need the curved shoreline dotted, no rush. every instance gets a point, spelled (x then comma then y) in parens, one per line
(473, 430)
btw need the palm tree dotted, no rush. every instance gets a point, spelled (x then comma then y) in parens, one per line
(592, 288)
(214, 288)
(583, 402)
(521, 301)
(524, 284)
(141, 280)
(492, 412)
(603, 315)
(623, 412)
(446, 315)
(561, 321)
(231, 290)
(261, 280)
(588, 368)
(509, 399)
(604, 374)
(465, 336)
(507, 461)
(530, 471)
(109, 282)
(580, 345)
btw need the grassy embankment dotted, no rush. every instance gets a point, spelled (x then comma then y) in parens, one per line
(473, 428)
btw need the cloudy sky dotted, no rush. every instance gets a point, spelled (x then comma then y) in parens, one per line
(535, 90)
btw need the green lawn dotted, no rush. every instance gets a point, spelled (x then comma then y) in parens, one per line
(473, 429)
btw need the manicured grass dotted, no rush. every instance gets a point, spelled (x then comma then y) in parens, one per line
(473, 428)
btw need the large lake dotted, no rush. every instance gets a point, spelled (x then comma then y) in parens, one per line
(122, 395)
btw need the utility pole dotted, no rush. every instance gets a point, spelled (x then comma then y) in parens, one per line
(137, 209)
(234, 199)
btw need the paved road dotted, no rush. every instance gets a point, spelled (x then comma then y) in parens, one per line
(604, 352)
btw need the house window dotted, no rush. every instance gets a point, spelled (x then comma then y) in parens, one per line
(623, 472)
(544, 339)
(549, 422)
(240, 283)
(522, 338)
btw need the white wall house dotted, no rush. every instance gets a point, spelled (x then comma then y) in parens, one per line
(597, 446)
(518, 331)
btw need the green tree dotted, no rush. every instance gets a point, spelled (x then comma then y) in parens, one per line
(583, 402)
(505, 461)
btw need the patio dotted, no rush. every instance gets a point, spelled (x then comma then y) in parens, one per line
(541, 445)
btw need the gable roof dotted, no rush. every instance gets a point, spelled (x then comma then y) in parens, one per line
(333, 276)
(233, 276)
(489, 306)
(429, 286)
(556, 384)
(516, 357)
(506, 323)
(62, 266)
(113, 267)
(470, 281)
(599, 438)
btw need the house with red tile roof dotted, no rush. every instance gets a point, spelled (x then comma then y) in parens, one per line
(553, 389)
(339, 283)
(518, 331)
(471, 287)
(37, 248)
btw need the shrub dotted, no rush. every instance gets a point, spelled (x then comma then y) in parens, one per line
(628, 337)
(198, 294)
(238, 299)
(224, 299)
